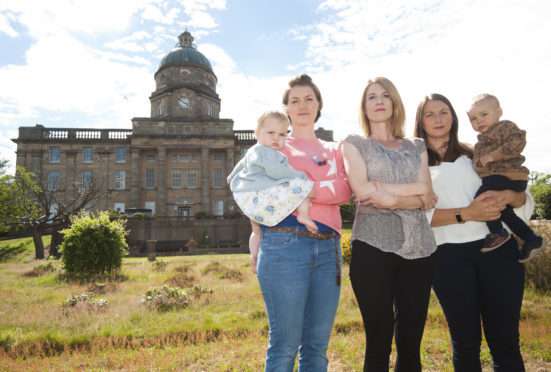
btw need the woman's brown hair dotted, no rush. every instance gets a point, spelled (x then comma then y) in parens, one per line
(303, 80)
(455, 148)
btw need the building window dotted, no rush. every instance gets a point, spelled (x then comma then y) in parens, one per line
(86, 179)
(194, 158)
(209, 109)
(177, 178)
(192, 178)
(120, 155)
(184, 158)
(218, 208)
(150, 205)
(218, 178)
(160, 109)
(149, 157)
(119, 207)
(217, 157)
(53, 180)
(88, 154)
(184, 212)
(149, 178)
(54, 154)
(120, 179)
(174, 158)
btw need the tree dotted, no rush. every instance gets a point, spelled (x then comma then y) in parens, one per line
(28, 200)
(541, 191)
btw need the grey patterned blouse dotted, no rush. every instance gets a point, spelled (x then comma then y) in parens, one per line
(405, 232)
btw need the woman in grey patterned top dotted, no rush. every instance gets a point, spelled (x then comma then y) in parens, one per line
(392, 244)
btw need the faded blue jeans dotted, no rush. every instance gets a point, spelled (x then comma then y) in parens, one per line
(297, 276)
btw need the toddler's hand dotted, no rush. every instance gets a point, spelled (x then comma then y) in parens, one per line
(485, 159)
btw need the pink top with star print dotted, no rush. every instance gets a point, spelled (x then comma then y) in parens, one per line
(327, 172)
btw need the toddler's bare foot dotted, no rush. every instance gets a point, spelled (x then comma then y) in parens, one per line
(307, 221)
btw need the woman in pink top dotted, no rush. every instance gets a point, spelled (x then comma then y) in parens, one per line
(299, 271)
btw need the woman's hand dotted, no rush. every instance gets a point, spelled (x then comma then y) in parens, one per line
(427, 196)
(485, 207)
(380, 198)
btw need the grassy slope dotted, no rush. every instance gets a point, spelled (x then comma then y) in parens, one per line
(223, 332)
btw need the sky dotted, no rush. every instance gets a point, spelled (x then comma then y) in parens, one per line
(90, 64)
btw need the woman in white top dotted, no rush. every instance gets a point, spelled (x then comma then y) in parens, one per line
(471, 285)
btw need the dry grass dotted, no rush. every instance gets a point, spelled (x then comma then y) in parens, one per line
(222, 331)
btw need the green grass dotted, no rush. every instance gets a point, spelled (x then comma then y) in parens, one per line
(19, 250)
(225, 331)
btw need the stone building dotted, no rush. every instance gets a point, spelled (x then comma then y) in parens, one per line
(174, 162)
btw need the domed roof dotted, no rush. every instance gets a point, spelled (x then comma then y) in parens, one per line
(186, 52)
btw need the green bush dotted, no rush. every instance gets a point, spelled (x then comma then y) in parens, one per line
(94, 245)
(346, 246)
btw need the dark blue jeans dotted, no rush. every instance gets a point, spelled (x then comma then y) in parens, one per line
(471, 286)
(515, 223)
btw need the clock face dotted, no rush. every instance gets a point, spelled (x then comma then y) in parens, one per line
(184, 103)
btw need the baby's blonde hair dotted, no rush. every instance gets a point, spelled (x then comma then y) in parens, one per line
(485, 97)
(278, 115)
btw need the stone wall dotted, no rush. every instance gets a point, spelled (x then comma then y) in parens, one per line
(172, 234)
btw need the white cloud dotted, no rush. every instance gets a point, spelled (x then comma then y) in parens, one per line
(43, 18)
(459, 49)
(153, 13)
(5, 25)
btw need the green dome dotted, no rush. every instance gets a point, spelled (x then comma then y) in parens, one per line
(185, 53)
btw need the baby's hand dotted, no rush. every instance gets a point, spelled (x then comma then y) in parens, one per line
(485, 159)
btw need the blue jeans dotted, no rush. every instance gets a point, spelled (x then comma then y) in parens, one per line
(297, 276)
(471, 285)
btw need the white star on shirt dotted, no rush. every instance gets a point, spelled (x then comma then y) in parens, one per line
(328, 184)
(332, 167)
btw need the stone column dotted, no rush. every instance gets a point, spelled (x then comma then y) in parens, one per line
(161, 195)
(70, 166)
(104, 175)
(21, 159)
(230, 160)
(134, 178)
(36, 162)
(205, 177)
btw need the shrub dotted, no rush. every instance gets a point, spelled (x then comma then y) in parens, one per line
(159, 266)
(166, 298)
(346, 246)
(42, 269)
(197, 291)
(86, 301)
(200, 214)
(538, 270)
(94, 245)
(181, 280)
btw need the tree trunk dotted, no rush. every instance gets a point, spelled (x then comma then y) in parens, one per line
(38, 245)
(57, 239)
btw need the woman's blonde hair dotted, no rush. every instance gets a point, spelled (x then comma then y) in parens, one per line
(398, 118)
